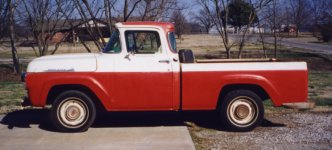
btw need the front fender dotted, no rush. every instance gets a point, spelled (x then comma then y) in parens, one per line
(40, 84)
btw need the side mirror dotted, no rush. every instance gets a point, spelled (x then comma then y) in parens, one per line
(128, 55)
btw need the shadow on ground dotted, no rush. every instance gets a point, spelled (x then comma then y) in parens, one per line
(27, 117)
(205, 119)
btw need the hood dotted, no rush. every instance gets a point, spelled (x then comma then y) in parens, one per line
(64, 63)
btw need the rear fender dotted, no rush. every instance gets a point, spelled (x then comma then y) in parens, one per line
(254, 80)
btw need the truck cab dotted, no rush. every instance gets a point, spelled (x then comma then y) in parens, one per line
(143, 62)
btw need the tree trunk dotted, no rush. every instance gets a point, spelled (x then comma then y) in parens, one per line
(228, 53)
(275, 44)
(125, 10)
(86, 46)
(242, 41)
(108, 14)
(275, 28)
(12, 38)
(262, 38)
(297, 33)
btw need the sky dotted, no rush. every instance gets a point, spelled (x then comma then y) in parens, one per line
(191, 7)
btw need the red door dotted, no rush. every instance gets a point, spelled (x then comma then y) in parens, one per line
(143, 78)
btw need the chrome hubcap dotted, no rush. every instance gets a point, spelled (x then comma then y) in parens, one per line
(242, 111)
(72, 112)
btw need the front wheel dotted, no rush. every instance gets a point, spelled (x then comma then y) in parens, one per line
(241, 110)
(73, 111)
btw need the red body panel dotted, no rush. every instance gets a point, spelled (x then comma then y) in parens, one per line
(142, 91)
(116, 91)
(200, 90)
(161, 91)
(39, 84)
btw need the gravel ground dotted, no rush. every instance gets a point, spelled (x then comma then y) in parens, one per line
(301, 130)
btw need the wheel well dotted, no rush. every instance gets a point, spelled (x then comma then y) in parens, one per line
(58, 89)
(252, 87)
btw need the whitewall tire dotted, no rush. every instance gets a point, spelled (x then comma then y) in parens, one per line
(241, 110)
(73, 111)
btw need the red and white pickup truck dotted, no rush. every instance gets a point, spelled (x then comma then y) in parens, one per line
(141, 70)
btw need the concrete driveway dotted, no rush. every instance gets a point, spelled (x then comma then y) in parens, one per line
(31, 129)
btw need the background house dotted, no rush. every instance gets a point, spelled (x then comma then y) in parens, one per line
(75, 30)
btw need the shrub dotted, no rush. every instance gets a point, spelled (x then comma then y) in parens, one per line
(324, 32)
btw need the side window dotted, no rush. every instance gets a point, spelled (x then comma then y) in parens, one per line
(144, 42)
(172, 41)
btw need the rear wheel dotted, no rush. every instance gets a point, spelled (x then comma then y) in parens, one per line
(73, 111)
(241, 110)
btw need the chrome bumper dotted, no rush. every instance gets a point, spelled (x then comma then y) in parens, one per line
(300, 105)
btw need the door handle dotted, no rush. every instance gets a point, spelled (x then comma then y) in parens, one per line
(163, 61)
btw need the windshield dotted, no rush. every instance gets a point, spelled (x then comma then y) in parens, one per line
(113, 45)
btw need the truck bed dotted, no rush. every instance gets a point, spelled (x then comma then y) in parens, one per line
(282, 81)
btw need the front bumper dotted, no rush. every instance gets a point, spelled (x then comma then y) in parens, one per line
(299, 105)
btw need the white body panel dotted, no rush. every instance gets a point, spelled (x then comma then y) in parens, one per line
(64, 63)
(143, 62)
(112, 62)
(249, 66)
(125, 62)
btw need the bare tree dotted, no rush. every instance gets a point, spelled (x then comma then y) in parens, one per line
(301, 12)
(102, 10)
(318, 8)
(97, 11)
(11, 22)
(217, 10)
(3, 17)
(7, 28)
(262, 38)
(157, 10)
(129, 7)
(43, 18)
(202, 18)
(109, 7)
(274, 16)
(328, 10)
(254, 9)
(179, 21)
(89, 11)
